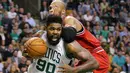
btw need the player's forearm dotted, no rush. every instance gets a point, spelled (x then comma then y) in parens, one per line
(88, 66)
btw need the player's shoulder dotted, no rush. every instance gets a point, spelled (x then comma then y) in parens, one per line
(69, 18)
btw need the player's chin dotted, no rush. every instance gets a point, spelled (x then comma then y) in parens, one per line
(54, 42)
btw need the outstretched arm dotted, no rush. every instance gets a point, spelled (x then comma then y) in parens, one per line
(84, 55)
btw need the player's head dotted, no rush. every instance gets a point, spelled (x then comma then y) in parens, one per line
(57, 7)
(54, 29)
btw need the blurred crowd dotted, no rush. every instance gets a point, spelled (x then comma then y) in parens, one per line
(108, 20)
(16, 26)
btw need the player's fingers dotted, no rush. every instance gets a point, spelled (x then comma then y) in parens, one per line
(62, 67)
(64, 64)
(61, 71)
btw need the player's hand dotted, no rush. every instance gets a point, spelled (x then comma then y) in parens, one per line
(38, 34)
(66, 69)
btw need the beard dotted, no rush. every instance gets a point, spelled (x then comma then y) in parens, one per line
(51, 41)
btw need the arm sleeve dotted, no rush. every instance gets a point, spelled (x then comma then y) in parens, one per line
(68, 34)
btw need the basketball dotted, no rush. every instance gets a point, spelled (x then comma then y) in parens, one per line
(35, 47)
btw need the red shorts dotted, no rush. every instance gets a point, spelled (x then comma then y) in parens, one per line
(103, 60)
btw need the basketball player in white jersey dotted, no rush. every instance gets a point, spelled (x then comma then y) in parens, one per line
(59, 54)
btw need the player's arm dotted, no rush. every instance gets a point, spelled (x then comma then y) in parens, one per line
(39, 33)
(84, 55)
(73, 22)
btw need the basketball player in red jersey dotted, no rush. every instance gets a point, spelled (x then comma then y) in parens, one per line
(83, 37)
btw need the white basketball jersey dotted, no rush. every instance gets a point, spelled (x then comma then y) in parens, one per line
(54, 57)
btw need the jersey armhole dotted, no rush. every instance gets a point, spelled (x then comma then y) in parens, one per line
(80, 32)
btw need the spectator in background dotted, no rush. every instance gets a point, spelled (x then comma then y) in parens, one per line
(111, 39)
(92, 9)
(82, 8)
(5, 70)
(26, 29)
(15, 44)
(103, 5)
(12, 14)
(70, 5)
(23, 63)
(1, 7)
(5, 4)
(17, 47)
(44, 10)
(1, 64)
(10, 48)
(128, 47)
(123, 32)
(125, 40)
(97, 7)
(87, 5)
(116, 70)
(112, 48)
(126, 66)
(97, 30)
(14, 34)
(88, 17)
(30, 20)
(105, 32)
(128, 17)
(28, 62)
(16, 20)
(14, 69)
(9, 62)
(128, 25)
(119, 59)
(1, 16)
(122, 17)
(7, 22)
(16, 27)
(113, 17)
(15, 57)
(11, 5)
(21, 13)
(8, 38)
(96, 18)
(23, 68)
(23, 23)
(2, 36)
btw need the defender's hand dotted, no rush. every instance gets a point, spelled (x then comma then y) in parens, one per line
(66, 69)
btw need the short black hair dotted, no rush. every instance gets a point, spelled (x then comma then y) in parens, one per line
(53, 19)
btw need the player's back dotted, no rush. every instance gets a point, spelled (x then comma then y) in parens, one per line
(87, 40)
(54, 57)
(84, 37)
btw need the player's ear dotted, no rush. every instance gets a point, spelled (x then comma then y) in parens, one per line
(63, 12)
